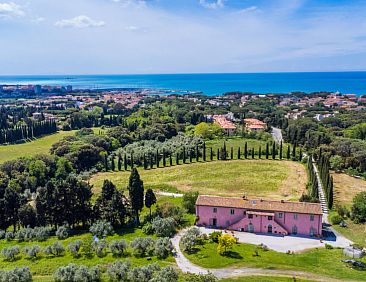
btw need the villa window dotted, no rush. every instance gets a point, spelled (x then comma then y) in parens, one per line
(280, 215)
(215, 210)
(250, 216)
(311, 217)
(232, 211)
(295, 216)
(270, 217)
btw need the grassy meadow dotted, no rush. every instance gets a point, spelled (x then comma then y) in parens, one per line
(40, 145)
(320, 261)
(255, 178)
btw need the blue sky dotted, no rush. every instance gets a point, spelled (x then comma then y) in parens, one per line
(187, 36)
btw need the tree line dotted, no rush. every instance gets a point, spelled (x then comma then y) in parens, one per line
(29, 131)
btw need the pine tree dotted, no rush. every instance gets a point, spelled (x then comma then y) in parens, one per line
(136, 194)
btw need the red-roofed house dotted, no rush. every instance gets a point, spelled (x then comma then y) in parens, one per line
(225, 124)
(252, 124)
(259, 216)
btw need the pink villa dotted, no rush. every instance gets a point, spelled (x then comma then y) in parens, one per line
(260, 216)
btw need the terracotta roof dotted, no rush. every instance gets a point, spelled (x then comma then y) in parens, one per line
(259, 205)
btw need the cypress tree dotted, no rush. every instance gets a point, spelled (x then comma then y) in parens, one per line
(177, 159)
(330, 194)
(132, 160)
(164, 161)
(273, 150)
(239, 153)
(150, 200)
(300, 156)
(260, 152)
(151, 161)
(190, 156)
(157, 158)
(232, 153)
(246, 150)
(288, 156)
(281, 148)
(184, 155)
(106, 162)
(145, 162)
(211, 154)
(267, 151)
(253, 153)
(170, 160)
(197, 154)
(119, 162)
(204, 151)
(112, 163)
(218, 154)
(294, 152)
(125, 161)
(136, 194)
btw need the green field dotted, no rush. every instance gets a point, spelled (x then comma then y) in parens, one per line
(38, 146)
(42, 268)
(256, 178)
(318, 261)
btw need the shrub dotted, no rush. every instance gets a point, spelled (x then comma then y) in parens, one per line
(329, 247)
(214, 236)
(148, 229)
(62, 233)
(22, 274)
(32, 251)
(166, 274)
(336, 219)
(163, 248)
(190, 239)
(56, 249)
(100, 248)
(169, 210)
(189, 201)
(190, 277)
(9, 236)
(74, 248)
(143, 273)
(10, 253)
(342, 211)
(142, 246)
(359, 208)
(226, 242)
(118, 247)
(33, 234)
(87, 247)
(77, 273)
(164, 227)
(2, 234)
(102, 228)
(119, 271)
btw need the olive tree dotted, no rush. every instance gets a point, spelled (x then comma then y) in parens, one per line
(118, 247)
(163, 248)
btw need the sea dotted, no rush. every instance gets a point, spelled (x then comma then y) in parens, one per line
(209, 84)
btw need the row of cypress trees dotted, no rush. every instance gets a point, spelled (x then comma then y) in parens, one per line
(313, 182)
(200, 153)
(326, 178)
(24, 132)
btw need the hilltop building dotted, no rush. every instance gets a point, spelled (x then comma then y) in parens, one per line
(252, 124)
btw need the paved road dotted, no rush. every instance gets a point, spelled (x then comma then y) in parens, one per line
(277, 135)
(229, 272)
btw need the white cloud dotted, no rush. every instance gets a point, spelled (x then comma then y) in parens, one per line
(249, 9)
(79, 22)
(209, 4)
(10, 10)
